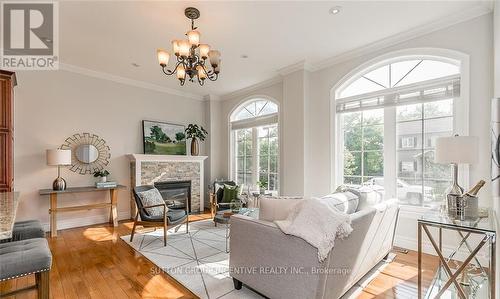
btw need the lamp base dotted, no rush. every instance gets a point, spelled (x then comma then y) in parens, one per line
(59, 184)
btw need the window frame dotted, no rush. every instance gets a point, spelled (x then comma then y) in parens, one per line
(460, 113)
(253, 123)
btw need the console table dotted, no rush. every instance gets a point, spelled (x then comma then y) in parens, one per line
(54, 209)
(472, 279)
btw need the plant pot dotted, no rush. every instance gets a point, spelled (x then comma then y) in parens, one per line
(195, 147)
(104, 179)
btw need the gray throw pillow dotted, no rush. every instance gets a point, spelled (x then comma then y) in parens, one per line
(150, 198)
(346, 202)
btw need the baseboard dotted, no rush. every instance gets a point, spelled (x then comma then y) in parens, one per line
(84, 221)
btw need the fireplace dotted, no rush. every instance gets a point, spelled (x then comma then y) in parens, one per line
(177, 194)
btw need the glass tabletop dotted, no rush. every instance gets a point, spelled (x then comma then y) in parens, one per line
(250, 212)
(484, 223)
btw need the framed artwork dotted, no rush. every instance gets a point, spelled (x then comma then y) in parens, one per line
(161, 138)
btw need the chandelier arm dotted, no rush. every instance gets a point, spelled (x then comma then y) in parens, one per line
(169, 72)
(213, 77)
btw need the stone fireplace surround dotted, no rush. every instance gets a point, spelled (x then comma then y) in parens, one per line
(150, 169)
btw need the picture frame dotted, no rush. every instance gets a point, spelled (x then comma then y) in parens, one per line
(163, 138)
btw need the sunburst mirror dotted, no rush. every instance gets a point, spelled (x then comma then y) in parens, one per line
(89, 153)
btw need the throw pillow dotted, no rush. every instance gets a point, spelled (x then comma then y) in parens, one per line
(230, 193)
(150, 198)
(276, 208)
(369, 196)
(346, 202)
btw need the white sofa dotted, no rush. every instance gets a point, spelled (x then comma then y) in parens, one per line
(284, 266)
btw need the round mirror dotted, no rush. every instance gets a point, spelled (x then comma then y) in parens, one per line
(87, 153)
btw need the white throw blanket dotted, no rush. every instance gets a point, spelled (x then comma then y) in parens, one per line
(318, 222)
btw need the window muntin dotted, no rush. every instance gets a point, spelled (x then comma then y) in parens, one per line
(255, 154)
(398, 74)
(363, 136)
(425, 184)
(420, 112)
(259, 107)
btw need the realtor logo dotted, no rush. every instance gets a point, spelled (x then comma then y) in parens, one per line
(29, 36)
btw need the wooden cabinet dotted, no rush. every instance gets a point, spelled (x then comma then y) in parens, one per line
(7, 83)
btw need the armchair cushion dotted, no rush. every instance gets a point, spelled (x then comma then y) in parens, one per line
(173, 216)
(219, 189)
(152, 197)
(230, 193)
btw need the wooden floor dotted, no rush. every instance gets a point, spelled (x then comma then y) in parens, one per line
(93, 262)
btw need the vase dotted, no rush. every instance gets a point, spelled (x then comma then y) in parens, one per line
(195, 147)
(104, 179)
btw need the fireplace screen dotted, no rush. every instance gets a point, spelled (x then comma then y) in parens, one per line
(177, 194)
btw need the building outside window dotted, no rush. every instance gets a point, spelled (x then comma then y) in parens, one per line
(388, 118)
(255, 145)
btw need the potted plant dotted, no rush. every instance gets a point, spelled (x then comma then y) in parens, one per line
(103, 174)
(195, 132)
(262, 186)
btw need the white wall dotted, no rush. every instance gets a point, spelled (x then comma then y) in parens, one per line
(53, 105)
(473, 38)
(496, 78)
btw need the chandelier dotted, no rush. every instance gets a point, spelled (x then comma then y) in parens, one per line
(191, 56)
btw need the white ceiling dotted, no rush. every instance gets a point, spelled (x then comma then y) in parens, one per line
(108, 36)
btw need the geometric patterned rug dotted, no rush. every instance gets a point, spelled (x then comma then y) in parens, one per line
(198, 260)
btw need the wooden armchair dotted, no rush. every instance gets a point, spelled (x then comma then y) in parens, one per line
(170, 218)
(216, 203)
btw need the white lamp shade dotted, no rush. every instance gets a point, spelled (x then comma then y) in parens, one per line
(457, 150)
(193, 37)
(56, 157)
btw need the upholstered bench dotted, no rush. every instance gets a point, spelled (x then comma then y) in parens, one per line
(26, 230)
(21, 258)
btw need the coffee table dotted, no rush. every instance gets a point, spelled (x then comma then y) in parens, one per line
(224, 217)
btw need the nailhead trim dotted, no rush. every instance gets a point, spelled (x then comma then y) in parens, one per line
(25, 274)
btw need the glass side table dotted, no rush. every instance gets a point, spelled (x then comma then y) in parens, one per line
(471, 278)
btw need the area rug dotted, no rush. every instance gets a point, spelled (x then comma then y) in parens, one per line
(198, 259)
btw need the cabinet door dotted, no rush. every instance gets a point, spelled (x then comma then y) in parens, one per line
(7, 81)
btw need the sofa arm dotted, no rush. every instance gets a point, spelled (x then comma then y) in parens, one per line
(271, 262)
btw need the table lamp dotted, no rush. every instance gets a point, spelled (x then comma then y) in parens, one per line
(456, 150)
(58, 157)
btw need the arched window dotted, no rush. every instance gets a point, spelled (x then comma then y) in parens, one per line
(388, 117)
(255, 145)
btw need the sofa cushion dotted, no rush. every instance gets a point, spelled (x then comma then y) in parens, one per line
(276, 208)
(150, 198)
(346, 202)
(368, 196)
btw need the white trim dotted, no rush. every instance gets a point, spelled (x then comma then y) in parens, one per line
(301, 65)
(173, 158)
(128, 81)
(252, 88)
(428, 28)
(461, 112)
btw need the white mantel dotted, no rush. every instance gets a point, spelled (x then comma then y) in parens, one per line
(181, 158)
(136, 161)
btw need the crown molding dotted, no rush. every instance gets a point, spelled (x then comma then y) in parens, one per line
(127, 81)
(428, 28)
(301, 65)
(252, 88)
